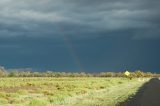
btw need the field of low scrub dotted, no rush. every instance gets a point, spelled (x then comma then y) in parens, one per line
(45, 91)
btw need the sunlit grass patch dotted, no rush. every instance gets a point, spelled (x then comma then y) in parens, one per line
(38, 102)
(3, 101)
(58, 91)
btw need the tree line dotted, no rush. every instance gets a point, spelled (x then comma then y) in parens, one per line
(15, 73)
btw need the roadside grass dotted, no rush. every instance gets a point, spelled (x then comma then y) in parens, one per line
(111, 96)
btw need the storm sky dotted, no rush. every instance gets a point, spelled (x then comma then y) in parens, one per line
(80, 35)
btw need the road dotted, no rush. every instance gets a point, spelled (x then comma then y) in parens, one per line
(148, 95)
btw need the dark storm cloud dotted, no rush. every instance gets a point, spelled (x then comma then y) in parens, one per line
(81, 18)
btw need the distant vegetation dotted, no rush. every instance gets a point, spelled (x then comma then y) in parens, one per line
(15, 73)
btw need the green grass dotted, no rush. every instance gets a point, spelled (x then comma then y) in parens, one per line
(66, 91)
(109, 97)
(38, 102)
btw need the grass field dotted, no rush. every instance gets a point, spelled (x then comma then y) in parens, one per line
(66, 91)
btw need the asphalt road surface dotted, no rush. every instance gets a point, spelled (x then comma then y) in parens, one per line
(148, 95)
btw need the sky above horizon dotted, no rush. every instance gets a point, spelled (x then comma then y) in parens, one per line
(80, 35)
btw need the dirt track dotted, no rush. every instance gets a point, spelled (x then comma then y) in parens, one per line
(148, 95)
